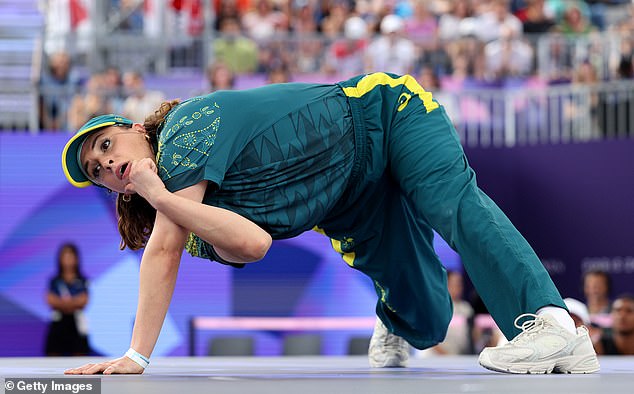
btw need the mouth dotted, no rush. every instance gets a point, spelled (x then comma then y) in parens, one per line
(122, 170)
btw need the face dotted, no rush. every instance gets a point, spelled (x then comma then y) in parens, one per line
(107, 153)
(68, 259)
(623, 316)
(595, 286)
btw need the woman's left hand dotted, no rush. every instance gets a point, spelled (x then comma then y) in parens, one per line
(121, 365)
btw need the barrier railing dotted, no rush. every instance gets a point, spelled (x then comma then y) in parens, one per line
(561, 114)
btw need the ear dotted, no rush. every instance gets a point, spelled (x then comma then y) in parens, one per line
(138, 127)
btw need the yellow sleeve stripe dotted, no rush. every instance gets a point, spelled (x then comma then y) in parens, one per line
(370, 81)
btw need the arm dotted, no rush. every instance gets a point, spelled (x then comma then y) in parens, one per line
(67, 304)
(161, 259)
(235, 238)
(157, 278)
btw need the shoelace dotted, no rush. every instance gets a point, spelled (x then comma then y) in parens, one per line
(529, 327)
(392, 342)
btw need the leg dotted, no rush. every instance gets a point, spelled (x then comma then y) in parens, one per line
(428, 162)
(409, 279)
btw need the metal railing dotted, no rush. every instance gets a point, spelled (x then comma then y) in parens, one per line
(487, 117)
(560, 114)
(529, 116)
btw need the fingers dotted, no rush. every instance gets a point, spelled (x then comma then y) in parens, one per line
(143, 163)
(119, 366)
(110, 370)
(148, 163)
(88, 369)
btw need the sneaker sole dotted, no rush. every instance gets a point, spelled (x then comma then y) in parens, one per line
(390, 362)
(564, 365)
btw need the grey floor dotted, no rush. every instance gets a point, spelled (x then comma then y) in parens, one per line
(326, 375)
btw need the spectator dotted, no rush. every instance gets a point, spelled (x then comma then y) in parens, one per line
(332, 24)
(467, 64)
(498, 21)
(391, 51)
(278, 74)
(556, 67)
(584, 109)
(449, 23)
(226, 9)
(574, 21)
(534, 17)
(58, 84)
(458, 339)
(89, 104)
(422, 26)
(596, 288)
(345, 56)
(232, 7)
(307, 54)
(113, 88)
(619, 340)
(274, 53)
(263, 22)
(625, 68)
(67, 296)
(238, 52)
(219, 77)
(140, 102)
(508, 56)
(303, 18)
(307, 45)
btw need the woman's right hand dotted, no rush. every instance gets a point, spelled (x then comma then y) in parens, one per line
(122, 365)
(144, 179)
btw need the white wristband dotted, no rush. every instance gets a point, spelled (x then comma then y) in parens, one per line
(137, 358)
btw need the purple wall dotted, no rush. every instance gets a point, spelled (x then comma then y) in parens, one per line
(573, 202)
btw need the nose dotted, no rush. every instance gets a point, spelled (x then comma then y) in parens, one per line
(107, 164)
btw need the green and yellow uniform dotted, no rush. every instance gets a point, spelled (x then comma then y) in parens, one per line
(375, 164)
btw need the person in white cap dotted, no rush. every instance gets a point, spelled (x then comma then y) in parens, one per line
(391, 51)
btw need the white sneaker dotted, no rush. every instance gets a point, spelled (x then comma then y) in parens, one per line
(543, 346)
(386, 349)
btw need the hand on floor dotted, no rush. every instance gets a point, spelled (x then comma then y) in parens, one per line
(121, 365)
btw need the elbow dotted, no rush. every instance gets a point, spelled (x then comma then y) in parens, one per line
(256, 249)
(260, 247)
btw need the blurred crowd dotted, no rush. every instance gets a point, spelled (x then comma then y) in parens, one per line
(448, 45)
(609, 318)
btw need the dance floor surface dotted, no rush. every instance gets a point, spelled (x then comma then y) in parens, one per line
(326, 375)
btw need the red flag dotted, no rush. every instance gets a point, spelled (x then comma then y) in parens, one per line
(78, 13)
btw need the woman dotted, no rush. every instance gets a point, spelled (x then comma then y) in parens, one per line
(67, 296)
(373, 162)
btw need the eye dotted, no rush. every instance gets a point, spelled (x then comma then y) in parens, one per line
(96, 171)
(105, 144)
